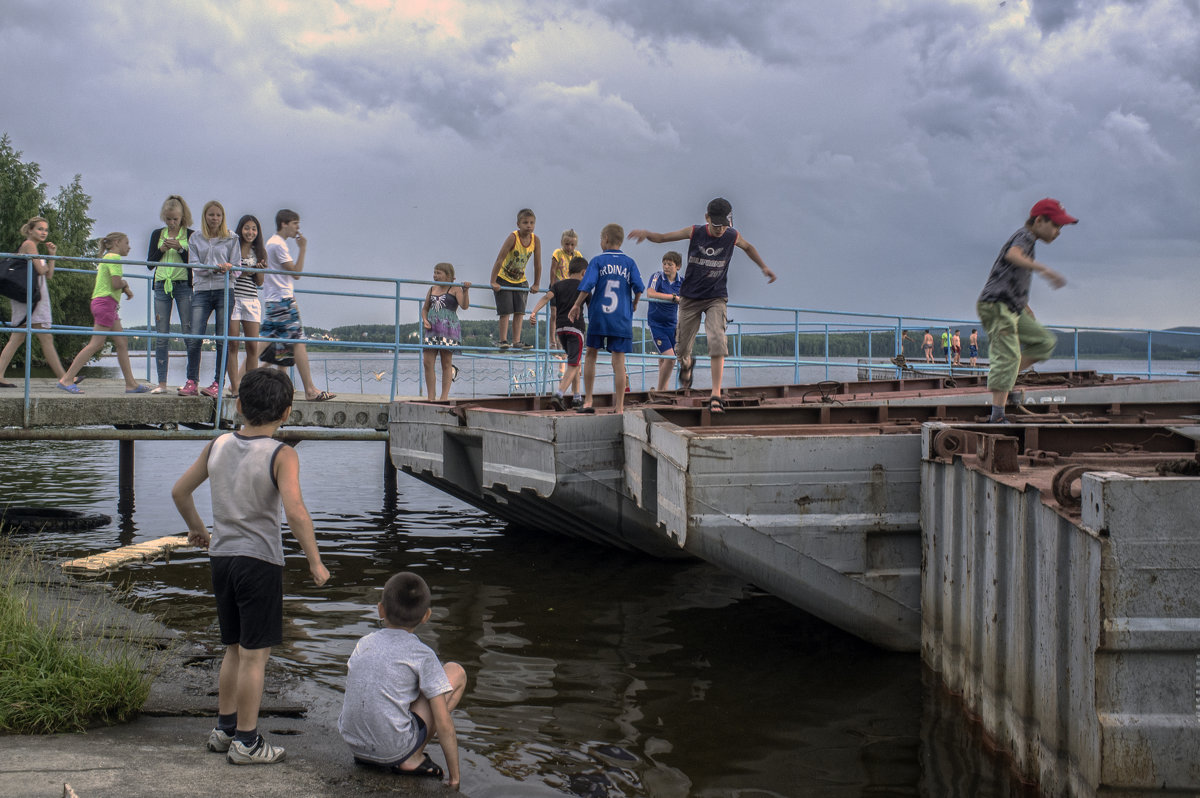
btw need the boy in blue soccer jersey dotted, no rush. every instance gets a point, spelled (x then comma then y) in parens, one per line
(661, 315)
(611, 286)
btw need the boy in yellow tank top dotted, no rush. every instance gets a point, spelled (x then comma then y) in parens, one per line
(509, 281)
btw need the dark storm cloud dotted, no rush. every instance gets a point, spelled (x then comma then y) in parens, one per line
(771, 31)
(460, 94)
(1053, 15)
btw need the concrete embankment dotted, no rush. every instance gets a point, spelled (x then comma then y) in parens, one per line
(162, 752)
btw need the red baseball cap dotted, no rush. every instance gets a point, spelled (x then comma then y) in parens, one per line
(1053, 209)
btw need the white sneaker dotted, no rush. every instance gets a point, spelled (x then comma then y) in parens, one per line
(219, 740)
(261, 753)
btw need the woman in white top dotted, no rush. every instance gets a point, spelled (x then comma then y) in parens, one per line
(35, 231)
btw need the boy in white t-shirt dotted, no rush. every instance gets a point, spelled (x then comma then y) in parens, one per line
(281, 316)
(398, 695)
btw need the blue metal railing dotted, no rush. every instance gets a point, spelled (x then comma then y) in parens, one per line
(536, 370)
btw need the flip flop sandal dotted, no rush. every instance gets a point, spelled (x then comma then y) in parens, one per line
(68, 388)
(716, 404)
(4, 384)
(323, 396)
(685, 375)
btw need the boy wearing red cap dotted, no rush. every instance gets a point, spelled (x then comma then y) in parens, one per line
(1016, 340)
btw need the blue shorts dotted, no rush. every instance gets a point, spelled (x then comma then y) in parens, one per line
(609, 343)
(664, 337)
(422, 732)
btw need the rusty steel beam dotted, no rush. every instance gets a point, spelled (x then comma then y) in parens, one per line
(102, 434)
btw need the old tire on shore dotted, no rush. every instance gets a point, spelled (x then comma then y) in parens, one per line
(32, 519)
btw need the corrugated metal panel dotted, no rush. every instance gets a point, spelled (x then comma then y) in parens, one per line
(1026, 615)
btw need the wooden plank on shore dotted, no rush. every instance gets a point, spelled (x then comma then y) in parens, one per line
(138, 552)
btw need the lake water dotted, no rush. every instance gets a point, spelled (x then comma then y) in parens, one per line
(592, 672)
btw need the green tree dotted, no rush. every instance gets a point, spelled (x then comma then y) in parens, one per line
(22, 195)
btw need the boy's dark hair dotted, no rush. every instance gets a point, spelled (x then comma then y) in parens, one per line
(284, 216)
(674, 257)
(265, 395)
(405, 600)
(524, 212)
(578, 265)
(720, 211)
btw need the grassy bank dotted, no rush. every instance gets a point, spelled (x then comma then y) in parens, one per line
(55, 674)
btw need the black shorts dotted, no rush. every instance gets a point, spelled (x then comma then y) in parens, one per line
(509, 302)
(249, 595)
(571, 341)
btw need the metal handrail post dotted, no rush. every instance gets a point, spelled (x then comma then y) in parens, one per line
(395, 342)
(150, 327)
(826, 351)
(27, 410)
(1149, 356)
(796, 346)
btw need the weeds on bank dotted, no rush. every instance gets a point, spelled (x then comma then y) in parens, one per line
(52, 678)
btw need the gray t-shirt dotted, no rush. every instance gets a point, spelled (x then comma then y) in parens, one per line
(388, 670)
(1007, 282)
(245, 498)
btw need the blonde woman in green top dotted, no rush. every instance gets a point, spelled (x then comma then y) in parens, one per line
(172, 278)
(106, 297)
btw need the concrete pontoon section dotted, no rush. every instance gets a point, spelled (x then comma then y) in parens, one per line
(824, 517)
(1059, 600)
(559, 473)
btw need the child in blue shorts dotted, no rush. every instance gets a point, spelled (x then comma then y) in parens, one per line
(611, 286)
(661, 316)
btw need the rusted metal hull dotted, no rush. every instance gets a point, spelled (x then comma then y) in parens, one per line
(1059, 600)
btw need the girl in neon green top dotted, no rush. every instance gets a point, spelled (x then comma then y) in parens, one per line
(106, 295)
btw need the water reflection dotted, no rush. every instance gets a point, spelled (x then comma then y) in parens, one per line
(593, 672)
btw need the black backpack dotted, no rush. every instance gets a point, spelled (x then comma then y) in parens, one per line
(14, 281)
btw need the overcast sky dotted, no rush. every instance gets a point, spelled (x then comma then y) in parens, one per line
(876, 153)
